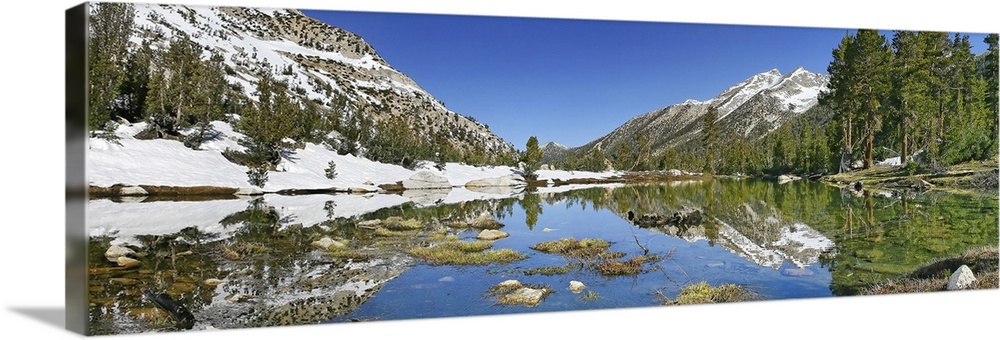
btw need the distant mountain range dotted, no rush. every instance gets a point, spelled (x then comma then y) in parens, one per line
(751, 108)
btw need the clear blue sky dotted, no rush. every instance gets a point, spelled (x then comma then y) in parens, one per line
(572, 81)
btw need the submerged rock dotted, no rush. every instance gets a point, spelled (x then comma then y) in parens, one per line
(491, 234)
(787, 178)
(127, 262)
(249, 191)
(134, 191)
(370, 224)
(963, 278)
(114, 252)
(513, 292)
(509, 283)
(524, 296)
(797, 272)
(326, 243)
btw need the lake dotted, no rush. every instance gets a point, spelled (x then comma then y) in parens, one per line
(251, 262)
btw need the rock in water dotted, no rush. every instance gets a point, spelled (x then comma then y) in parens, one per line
(491, 234)
(787, 178)
(127, 262)
(134, 191)
(185, 320)
(114, 252)
(576, 286)
(963, 278)
(326, 243)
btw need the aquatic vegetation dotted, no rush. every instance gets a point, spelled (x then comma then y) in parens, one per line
(465, 253)
(934, 275)
(590, 296)
(594, 254)
(571, 247)
(631, 266)
(556, 270)
(702, 292)
(397, 223)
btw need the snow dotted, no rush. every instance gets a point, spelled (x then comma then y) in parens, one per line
(257, 51)
(131, 161)
(894, 161)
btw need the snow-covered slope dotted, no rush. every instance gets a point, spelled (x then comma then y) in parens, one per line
(752, 107)
(318, 62)
(130, 161)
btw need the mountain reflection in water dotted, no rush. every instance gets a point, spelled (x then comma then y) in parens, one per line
(793, 240)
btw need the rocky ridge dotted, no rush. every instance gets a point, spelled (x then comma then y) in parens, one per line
(317, 61)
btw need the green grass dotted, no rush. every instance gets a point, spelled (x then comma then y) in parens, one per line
(396, 223)
(590, 296)
(632, 266)
(571, 247)
(465, 253)
(558, 270)
(934, 276)
(702, 292)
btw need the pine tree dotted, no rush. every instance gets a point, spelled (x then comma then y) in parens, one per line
(624, 157)
(992, 76)
(859, 82)
(710, 139)
(872, 82)
(532, 157)
(909, 87)
(643, 151)
(967, 135)
(111, 25)
(267, 123)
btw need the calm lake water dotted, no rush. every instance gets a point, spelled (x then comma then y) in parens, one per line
(795, 240)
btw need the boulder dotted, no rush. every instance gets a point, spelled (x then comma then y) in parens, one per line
(963, 278)
(251, 191)
(788, 178)
(127, 262)
(370, 224)
(114, 252)
(426, 180)
(326, 243)
(674, 172)
(491, 234)
(212, 282)
(502, 181)
(513, 292)
(133, 191)
(509, 283)
(524, 296)
(576, 287)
